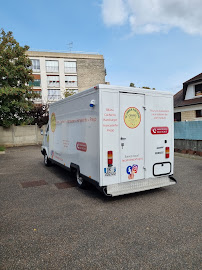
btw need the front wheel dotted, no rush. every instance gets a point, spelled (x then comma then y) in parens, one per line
(47, 161)
(80, 181)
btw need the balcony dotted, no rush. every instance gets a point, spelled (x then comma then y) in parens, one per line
(70, 83)
(35, 65)
(53, 98)
(52, 66)
(35, 83)
(53, 83)
(52, 69)
(53, 95)
(70, 66)
(70, 69)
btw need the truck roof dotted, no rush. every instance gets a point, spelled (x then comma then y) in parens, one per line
(149, 92)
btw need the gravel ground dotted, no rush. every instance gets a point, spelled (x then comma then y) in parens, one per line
(45, 227)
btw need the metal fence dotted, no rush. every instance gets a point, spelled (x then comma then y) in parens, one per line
(190, 130)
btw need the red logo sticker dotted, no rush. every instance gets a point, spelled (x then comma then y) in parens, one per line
(159, 130)
(81, 146)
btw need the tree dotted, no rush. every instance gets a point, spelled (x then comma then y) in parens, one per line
(39, 115)
(146, 87)
(132, 84)
(16, 97)
(68, 93)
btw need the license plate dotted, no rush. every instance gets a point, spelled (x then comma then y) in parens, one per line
(110, 171)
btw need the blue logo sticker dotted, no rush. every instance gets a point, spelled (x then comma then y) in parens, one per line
(129, 169)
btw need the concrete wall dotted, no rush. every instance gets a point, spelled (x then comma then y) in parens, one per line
(188, 145)
(21, 135)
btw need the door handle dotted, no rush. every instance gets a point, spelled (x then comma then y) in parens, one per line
(123, 138)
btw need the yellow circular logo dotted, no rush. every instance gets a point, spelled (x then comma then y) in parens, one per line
(132, 117)
(53, 122)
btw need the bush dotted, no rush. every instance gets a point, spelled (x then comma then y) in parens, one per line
(2, 148)
(39, 115)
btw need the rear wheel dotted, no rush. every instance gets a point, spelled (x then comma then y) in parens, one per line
(80, 181)
(47, 161)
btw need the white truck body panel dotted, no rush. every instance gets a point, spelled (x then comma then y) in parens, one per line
(128, 127)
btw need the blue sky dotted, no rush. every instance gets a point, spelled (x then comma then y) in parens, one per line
(149, 43)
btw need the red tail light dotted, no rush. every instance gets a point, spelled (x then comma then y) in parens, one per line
(167, 152)
(110, 158)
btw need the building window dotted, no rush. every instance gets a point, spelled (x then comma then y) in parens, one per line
(54, 94)
(35, 65)
(198, 113)
(70, 67)
(198, 89)
(53, 81)
(38, 92)
(35, 83)
(52, 66)
(70, 81)
(177, 116)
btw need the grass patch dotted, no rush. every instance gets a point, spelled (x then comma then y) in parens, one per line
(2, 148)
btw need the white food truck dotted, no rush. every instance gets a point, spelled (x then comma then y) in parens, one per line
(120, 139)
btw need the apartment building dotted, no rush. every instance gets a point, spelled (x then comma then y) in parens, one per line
(55, 73)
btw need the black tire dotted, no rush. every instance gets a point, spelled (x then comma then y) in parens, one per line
(80, 181)
(47, 161)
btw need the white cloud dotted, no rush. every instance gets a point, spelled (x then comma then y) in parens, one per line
(149, 16)
(114, 12)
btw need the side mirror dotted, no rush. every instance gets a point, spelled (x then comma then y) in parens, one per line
(41, 131)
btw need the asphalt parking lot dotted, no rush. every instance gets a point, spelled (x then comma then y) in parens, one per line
(49, 223)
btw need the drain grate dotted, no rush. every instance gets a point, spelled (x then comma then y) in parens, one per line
(65, 185)
(34, 183)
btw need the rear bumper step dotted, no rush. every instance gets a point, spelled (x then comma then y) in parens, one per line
(140, 185)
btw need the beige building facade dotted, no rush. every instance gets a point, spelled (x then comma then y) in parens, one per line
(57, 73)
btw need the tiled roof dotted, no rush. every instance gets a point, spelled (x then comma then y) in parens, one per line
(180, 102)
(196, 78)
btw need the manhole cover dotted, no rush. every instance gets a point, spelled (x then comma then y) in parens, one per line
(34, 183)
(65, 185)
